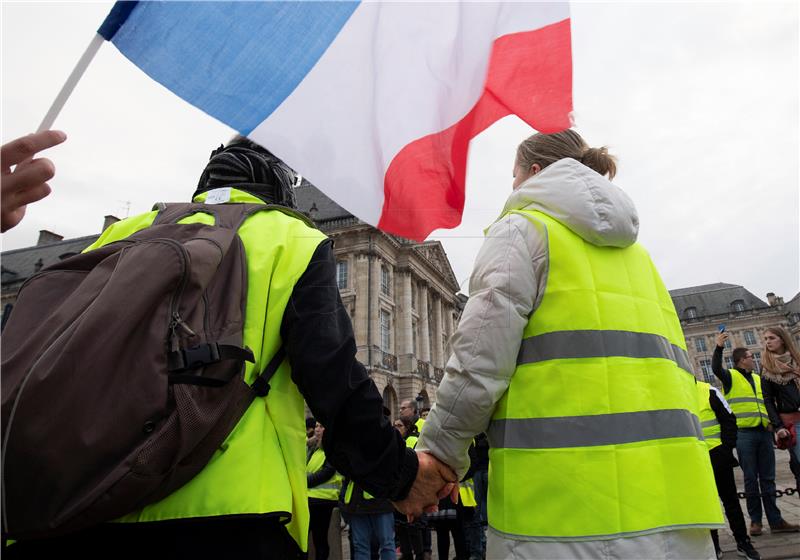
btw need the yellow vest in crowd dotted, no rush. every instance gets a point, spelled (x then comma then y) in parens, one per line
(466, 493)
(747, 403)
(328, 490)
(712, 431)
(260, 468)
(598, 436)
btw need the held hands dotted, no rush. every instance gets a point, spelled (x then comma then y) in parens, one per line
(721, 338)
(434, 481)
(782, 433)
(27, 183)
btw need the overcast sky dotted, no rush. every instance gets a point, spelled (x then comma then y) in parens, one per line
(698, 100)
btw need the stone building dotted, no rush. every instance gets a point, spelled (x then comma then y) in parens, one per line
(702, 309)
(401, 295)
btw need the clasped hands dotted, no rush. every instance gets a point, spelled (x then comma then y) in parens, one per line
(434, 481)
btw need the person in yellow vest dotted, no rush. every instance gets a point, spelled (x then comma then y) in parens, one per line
(570, 350)
(324, 485)
(719, 431)
(754, 447)
(409, 534)
(251, 500)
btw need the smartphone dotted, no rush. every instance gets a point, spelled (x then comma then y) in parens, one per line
(721, 328)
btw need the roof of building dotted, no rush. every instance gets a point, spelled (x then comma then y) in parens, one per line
(19, 264)
(312, 202)
(714, 299)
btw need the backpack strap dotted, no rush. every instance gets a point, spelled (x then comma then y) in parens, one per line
(228, 216)
(261, 384)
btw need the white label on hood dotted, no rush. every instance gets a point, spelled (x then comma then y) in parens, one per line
(218, 196)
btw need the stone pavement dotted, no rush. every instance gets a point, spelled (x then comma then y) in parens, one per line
(781, 545)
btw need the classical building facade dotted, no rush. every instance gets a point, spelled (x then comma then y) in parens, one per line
(702, 309)
(402, 296)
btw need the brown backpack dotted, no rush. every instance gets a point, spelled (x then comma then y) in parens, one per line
(123, 372)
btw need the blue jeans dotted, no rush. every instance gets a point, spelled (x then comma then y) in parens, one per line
(757, 459)
(363, 527)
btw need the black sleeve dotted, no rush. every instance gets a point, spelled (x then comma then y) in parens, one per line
(770, 391)
(722, 374)
(359, 441)
(726, 419)
(318, 477)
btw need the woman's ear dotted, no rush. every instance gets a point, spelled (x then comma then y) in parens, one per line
(535, 168)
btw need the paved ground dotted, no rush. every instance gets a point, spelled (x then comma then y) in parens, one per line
(782, 545)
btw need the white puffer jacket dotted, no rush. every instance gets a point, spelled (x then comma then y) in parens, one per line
(506, 287)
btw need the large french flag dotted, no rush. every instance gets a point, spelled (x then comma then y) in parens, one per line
(375, 103)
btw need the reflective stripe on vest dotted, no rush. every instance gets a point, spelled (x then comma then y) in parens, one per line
(596, 343)
(328, 490)
(279, 244)
(747, 401)
(708, 419)
(599, 427)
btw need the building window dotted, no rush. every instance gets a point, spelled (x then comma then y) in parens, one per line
(757, 360)
(385, 280)
(705, 368)
(414, 337)
(728, 343)
(700, 344)
(738, 306)
(749, 337)
(413, 296)
(386, 321)
(728, 362)
(341, 275)
(690, 313)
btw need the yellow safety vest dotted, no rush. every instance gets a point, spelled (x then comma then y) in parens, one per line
(411, 441)
(746, 402)
(712, 431)
(597, 436)
(466, 493)
(260, 467)
(328, 490)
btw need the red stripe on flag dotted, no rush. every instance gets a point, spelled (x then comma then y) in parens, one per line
(530, 75)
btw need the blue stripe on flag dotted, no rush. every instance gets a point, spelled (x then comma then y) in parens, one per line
(237, 61)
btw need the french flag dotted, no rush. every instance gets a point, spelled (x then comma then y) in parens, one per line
(375, 103)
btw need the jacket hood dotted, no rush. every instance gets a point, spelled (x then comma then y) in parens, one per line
(581, 199)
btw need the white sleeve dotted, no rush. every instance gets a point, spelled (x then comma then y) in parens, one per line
(506, 286)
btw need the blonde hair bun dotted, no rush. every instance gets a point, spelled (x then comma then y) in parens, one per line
(600, 160)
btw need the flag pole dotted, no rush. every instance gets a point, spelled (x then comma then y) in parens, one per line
(72, 81)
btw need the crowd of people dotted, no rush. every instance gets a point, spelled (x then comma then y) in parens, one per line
(568, 375)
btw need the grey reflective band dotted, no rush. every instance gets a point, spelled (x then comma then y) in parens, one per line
(745, 400)
(709, 423)
(600, 344)
(750, 415)
(325, 487)
(579, 538)
(590, 431)
(713, 436)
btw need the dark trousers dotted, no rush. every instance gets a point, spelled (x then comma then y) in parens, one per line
(721, 462)
(410, 537)
(320, 520)
(194, 539)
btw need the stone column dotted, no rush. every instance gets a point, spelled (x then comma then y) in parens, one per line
(438, 349)
(424, 327)
(361, 316)
(375, 319)
(405, 315)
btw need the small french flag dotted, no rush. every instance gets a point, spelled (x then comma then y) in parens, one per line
(375, 103)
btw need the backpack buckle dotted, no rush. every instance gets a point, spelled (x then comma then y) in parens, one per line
(195, 357)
